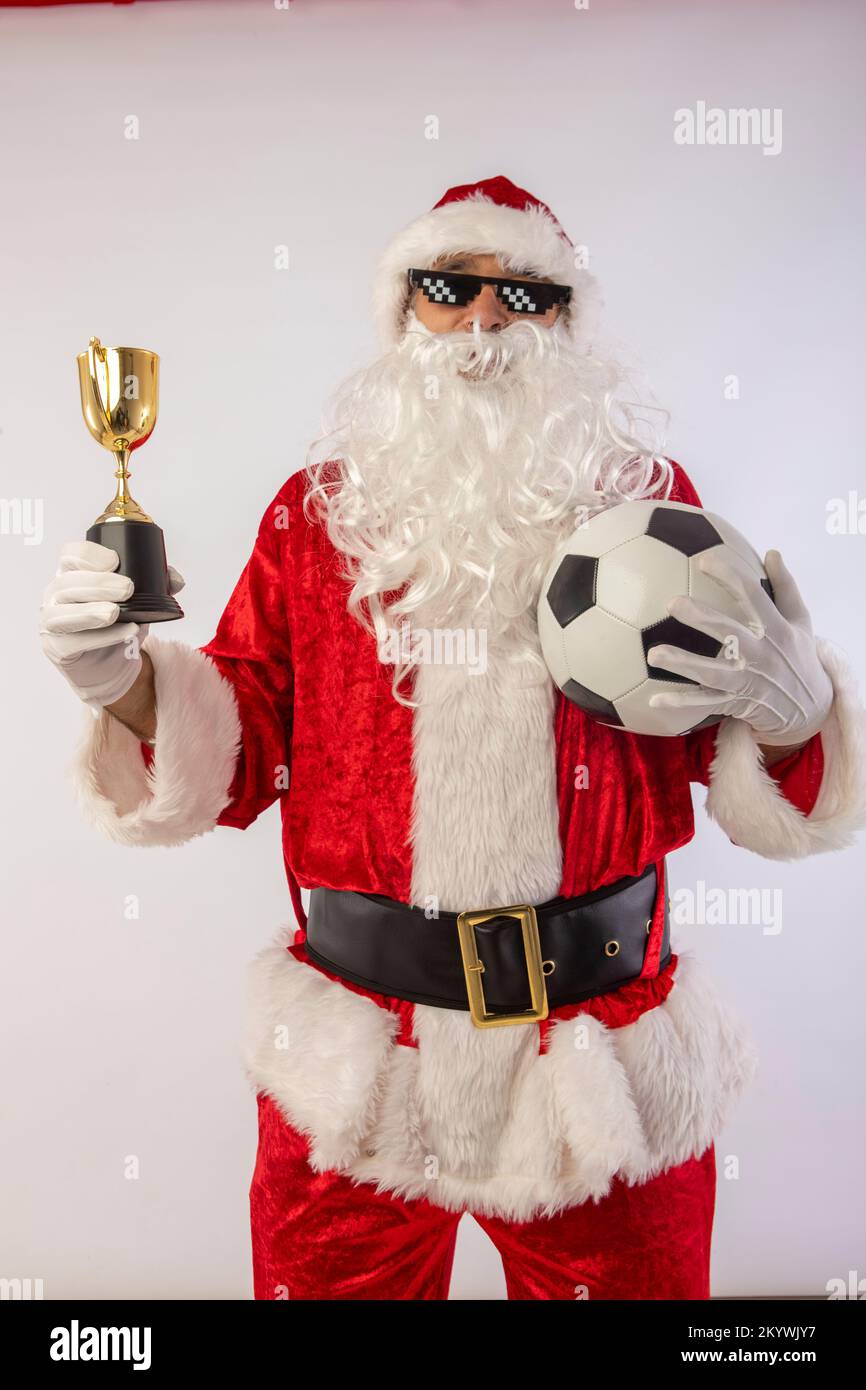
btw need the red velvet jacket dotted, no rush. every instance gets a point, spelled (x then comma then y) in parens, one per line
(323, 734)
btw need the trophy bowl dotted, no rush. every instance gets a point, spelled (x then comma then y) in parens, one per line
(119, 394)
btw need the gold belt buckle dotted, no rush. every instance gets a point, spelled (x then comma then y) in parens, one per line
(473, 967)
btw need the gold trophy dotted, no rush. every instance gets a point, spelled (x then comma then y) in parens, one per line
(119, 400)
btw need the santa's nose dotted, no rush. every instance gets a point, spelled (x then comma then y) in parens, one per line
(485, 307)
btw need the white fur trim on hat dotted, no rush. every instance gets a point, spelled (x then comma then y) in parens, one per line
(751, 808)
(198, 736)
(529, 241)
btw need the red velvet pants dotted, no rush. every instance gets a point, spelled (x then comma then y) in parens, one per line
(322, 1236)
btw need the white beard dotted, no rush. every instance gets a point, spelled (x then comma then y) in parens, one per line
(464, 458)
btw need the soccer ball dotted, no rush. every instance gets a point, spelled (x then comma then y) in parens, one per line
(604, 605)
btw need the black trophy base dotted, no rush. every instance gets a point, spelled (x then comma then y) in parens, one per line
(141, 547)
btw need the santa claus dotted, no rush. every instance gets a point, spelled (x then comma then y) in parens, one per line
(480, 1011)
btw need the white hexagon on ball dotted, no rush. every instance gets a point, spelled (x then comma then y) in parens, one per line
(604, 654)
(552, 640)
(737, 542)
(639, 717)
(635, 579)
(614, 526)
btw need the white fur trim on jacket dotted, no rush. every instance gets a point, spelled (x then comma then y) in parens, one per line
(529, 241)
(747, 803)
(198, 735)
(485, 823)
(601, 1102)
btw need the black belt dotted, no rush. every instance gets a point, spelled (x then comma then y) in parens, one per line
(505, 964)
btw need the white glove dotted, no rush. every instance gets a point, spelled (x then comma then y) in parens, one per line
(98, 656)
(767, 673)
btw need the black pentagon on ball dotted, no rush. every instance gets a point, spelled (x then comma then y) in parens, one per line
(673, 633)
(590, 703)
(688, 532)
(572, 588)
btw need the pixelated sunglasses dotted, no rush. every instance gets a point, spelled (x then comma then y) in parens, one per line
(520, 296)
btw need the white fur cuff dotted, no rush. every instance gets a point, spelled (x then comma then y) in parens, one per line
(748, 803)
(198, 736)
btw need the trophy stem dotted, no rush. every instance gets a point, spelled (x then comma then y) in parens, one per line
(124, 506)
(123, 498)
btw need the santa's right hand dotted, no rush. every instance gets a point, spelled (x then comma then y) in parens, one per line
(99, 656)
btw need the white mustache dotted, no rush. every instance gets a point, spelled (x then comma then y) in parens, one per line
(480, 354)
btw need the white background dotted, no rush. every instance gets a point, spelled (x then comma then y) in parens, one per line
(260, 127)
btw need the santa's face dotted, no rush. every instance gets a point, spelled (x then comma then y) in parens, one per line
(485, 308)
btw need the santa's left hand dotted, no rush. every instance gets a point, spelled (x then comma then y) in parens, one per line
(767, 672)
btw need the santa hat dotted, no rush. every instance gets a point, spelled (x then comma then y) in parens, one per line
(492, 217)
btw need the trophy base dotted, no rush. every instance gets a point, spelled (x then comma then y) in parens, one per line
(141, 547)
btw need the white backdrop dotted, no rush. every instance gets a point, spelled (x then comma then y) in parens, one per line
(260, 127)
